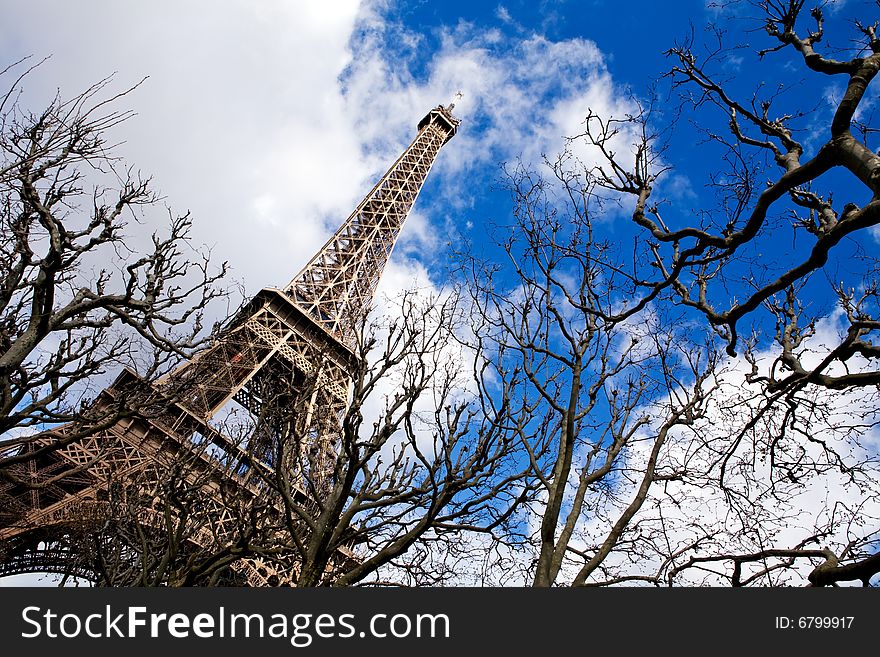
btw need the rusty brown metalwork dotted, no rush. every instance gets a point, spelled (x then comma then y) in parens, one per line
(304, 330)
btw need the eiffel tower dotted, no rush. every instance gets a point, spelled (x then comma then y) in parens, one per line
(298, 338)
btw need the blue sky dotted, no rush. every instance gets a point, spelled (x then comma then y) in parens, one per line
(270, 120)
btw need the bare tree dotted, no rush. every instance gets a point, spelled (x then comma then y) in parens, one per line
(590, 388)
(78, 299)
(421, 465)
(416, 462)
(417, 465)
(781, 169)
(699, 261)
(590, 433)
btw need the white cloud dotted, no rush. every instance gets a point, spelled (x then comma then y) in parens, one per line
(241, 119)
(270, 120)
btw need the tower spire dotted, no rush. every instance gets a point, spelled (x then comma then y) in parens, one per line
(336, 286)
(309, 324)
(456, 97)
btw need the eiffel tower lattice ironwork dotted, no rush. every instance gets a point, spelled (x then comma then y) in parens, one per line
(303, 331)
